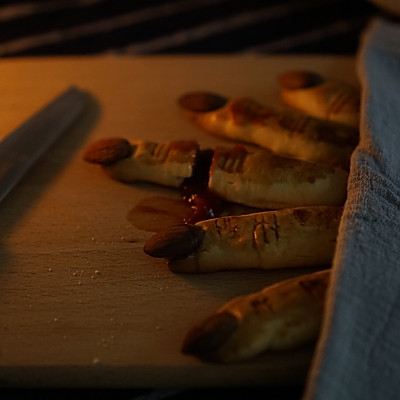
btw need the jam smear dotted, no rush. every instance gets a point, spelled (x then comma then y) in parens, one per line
(153, 214)
(196, 203)
(195, 193)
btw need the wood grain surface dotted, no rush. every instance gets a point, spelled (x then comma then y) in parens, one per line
(80, 303)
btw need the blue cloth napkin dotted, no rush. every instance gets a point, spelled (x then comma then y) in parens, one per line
(358, 354)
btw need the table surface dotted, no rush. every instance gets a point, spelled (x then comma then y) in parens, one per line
(81, 305)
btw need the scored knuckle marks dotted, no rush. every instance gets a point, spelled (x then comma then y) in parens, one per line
(315, 285)
(178, 241)
(293, 80)
(107, 151)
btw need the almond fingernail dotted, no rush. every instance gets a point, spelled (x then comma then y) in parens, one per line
(107, 151)
(205, 339)
(175, 242)
(293, 80)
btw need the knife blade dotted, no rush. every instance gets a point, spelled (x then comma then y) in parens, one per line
(20, 149)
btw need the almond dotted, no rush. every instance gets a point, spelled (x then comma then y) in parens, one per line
(202, 101)
(107, 151)
(178, 241)
(204, 339)
(293, 80)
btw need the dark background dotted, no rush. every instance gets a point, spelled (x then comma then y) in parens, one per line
(66, 27)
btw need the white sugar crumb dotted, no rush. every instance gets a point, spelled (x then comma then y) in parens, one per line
(95, 361)
(159, 276)
(82, 274)
(106, 342)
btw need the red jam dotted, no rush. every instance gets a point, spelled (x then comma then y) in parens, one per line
(194, 191)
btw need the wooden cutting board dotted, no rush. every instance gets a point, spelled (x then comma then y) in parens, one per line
(80, 303)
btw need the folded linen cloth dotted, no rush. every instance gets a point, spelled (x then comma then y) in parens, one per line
(358, 354)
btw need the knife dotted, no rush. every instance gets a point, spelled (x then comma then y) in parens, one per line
(20, 149)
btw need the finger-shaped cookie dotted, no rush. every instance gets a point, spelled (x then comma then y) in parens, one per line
(167, 164)
(284, 132)
(292, 237)
(282, 316)
(266, 181)
(256, 179)
(323, 98)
